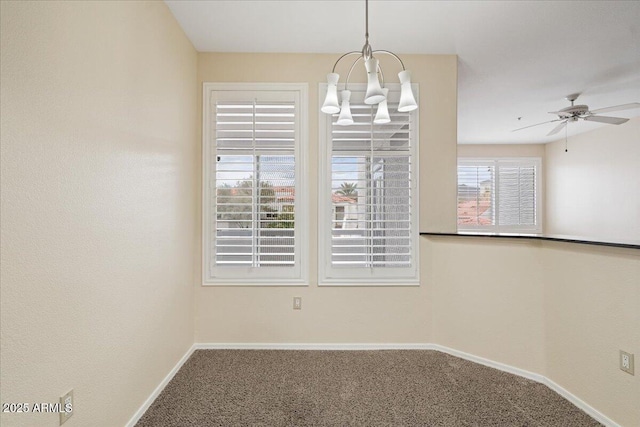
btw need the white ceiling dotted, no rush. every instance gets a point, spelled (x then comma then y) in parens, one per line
(516, 58)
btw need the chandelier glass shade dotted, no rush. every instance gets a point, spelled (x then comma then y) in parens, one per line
(376, 94)
(382, 115)
(345, 117)
(407, 100)
(331, 104)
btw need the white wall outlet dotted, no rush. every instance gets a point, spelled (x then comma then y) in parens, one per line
(626, 362)
(297, 303)
(66, 406)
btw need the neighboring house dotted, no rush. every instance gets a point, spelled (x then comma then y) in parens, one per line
(345, 208)
(485, 188)
(284, 199)
(345, 211)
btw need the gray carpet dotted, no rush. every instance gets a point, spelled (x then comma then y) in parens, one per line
(352, 388)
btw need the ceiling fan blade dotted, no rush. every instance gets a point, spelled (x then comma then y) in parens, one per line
(616, 108)
(537, 124)
(557, 128)
(605, 119)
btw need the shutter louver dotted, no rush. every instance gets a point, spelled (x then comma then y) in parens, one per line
(371, 191)
(254, 200)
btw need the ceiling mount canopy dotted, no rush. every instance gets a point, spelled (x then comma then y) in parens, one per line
(376, 93)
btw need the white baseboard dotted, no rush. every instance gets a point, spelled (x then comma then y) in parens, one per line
(490, 363)
(154, 395)
(310, 346)
(595, 414)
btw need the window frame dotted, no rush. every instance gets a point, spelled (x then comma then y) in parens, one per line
(381, 276)
(497, 162)
(256, 276)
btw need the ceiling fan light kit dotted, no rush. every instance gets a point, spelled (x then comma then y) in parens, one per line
(376, 94)
(573, 113)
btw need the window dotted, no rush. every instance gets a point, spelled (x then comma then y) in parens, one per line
(368, 196)
(254, 195)
(499, 195)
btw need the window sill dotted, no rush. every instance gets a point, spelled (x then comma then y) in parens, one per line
(346, 284)
(258, 284)
(549, 237)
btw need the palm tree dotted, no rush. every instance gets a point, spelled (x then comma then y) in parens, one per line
(348, 189)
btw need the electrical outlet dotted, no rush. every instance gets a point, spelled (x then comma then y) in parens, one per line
(626, 362)
(66, 406)
(297, 303)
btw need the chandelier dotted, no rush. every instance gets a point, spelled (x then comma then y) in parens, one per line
(376, 93)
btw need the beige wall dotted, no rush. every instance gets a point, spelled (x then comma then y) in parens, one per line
(501, 150)
(592, 310)
(560, 310)
(98, 205)
(593, 189)
(347, 314)
(488, 298)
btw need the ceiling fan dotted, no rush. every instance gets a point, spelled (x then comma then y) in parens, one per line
(574, 113)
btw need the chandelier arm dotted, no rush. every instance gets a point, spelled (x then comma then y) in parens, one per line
(333, 70)
(346, 83)
(392, 54)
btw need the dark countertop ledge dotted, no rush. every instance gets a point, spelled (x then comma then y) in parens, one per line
(549, 237)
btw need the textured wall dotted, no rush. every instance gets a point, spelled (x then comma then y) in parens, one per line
(592, 310)
(501, 150)
(98, 205)
(346, 314)
(593, 189)
(488, 298)
(556, 309)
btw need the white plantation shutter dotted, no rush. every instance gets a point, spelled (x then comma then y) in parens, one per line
(254, 208)
(370, 197)
(517, 195)
(499, 195)
(255, 177)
